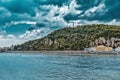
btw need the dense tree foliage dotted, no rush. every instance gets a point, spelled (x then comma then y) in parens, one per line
(72, 38)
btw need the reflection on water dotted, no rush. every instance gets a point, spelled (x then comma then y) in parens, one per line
(59, 67)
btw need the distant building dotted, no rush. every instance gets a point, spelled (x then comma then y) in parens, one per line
(86, 49)
(5, 49)
(103, 48)
(90, 49)
(99, 48)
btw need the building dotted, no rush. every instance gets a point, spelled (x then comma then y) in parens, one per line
(99, 48)
(117, 49)
(103, 48)
(5, 49)
(90, 49)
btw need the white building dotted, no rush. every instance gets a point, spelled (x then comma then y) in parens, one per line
(90, 49)
(117, 49)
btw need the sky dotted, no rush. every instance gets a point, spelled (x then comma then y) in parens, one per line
(24, 20)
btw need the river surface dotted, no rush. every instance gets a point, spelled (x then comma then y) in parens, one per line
(59, 67)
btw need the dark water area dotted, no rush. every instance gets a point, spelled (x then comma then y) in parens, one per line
(59, 67)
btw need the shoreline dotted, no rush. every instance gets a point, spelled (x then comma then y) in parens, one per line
(63, 52)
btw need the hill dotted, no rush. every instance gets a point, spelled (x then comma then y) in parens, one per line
(75, 38)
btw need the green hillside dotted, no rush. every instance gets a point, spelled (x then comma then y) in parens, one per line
(74, 38)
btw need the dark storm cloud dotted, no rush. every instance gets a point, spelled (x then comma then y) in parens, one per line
(28, 6)
(86, 4)
(15, 10)
(12, 9)
(111, 10)
(19, 6)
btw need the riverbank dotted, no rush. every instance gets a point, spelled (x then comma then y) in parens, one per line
(64, 52)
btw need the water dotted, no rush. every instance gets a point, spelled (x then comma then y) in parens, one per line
(59, 67)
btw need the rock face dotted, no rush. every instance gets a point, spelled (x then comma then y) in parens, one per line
(112, 42)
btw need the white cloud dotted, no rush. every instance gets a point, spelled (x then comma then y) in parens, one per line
(19, 22)
(37, 33)
(29, 34)
(97, 8)
(1, 36)
(50, 16)
(11, 36)
(114, 22)
(23, 22)
(61, 11)
(85, 22)
(100, 8)
(72, 7)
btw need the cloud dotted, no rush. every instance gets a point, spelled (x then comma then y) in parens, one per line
(30, 34)
(37, 33)
(96, 9)
(19, 6)
(7, 41)
(114, 22)
(40, 10)
(4, 12)
(11, 36)
(103, 11)
(24, 22)
(86, 12)
(1, 36)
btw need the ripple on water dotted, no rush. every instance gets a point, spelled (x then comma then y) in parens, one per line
(58, 67)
